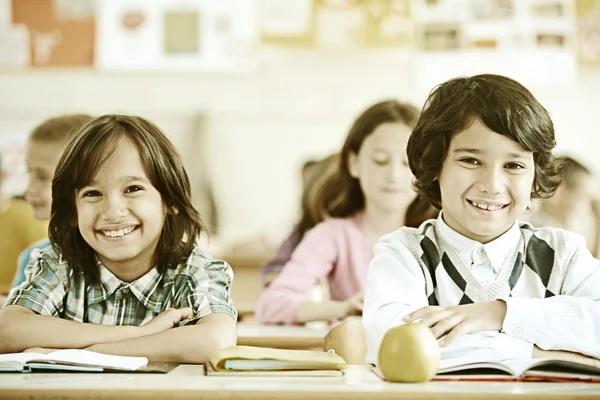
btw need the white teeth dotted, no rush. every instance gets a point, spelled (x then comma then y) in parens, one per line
(119, 233)
(487, 207)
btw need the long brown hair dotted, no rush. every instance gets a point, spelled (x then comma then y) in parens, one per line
(341, 195)
(88, 150)
(320, 173)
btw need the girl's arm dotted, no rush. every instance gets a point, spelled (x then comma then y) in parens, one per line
(205, 298)
(396, 286)
(187, 344)
(21, 329)
(286, 300)
(570, 320)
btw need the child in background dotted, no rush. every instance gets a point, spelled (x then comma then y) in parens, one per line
(18, 229)
(314, 173)
(488, 286)
(366, 197)
(575, 206)
(124, 270)
(43, 150)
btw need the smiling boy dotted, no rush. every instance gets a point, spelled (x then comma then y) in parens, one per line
(481, 151)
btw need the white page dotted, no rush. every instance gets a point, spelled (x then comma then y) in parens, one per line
(93, 358)
(19, 357)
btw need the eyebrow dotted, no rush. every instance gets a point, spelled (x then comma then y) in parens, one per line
(479, 151)
(125, 179)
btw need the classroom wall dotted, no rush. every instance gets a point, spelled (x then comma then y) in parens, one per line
(258, 128)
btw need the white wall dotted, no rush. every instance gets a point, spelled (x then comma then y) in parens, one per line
(261, 126)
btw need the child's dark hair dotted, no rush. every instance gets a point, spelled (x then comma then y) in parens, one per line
(341, 195)
(321, 171)
(500, 103)
(91, 146)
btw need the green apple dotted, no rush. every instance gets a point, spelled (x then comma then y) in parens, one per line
(409, 353)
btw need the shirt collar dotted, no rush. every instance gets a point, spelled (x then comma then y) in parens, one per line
(143, 288)
(497, 250)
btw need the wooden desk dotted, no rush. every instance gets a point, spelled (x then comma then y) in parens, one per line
(282, 337)
(187, 382)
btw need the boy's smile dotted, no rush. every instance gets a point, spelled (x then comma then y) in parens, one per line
(486, 183)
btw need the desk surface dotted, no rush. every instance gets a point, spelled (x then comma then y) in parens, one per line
(187, 381)
(283, 337)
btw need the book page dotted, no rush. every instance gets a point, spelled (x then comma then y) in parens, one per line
(542, 365)
(19, 357)
(90, 358)
(475, 367)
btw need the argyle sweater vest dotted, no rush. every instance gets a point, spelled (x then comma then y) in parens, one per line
(533, 269)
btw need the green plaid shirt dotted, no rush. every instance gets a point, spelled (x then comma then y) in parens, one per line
(53, 288)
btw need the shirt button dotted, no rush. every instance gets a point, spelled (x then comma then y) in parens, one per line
(125, 290)
(518, 332)
(481, 252)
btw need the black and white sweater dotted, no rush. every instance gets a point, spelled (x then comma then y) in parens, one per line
(547, 277)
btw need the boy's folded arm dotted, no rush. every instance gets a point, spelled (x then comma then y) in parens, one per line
(187, 344)
(395, 287)
(568, 321)
(21, 328)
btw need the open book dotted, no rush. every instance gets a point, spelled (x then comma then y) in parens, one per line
(260, 361)
(535, 369)
(70, 360)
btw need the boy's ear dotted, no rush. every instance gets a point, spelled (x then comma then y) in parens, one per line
(353, 165)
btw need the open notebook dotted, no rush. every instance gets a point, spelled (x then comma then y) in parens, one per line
(69, 360)
(259, 361)
(535, 369)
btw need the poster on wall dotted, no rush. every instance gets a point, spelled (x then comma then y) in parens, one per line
(202, 35)
(289, 22)
(588, 30)
(61, 32)
(531, 41)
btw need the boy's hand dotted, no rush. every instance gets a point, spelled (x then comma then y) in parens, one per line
(460, 320)
(167, 319)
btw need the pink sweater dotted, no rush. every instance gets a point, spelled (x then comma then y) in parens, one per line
(337, 249)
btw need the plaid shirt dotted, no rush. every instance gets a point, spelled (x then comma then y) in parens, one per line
(54, 288)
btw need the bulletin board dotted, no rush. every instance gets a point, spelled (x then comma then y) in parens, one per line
(61, 32)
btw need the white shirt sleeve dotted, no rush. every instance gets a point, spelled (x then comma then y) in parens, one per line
(396, 287)
(569, 321)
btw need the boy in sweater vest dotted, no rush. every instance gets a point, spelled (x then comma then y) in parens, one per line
(486, 285)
